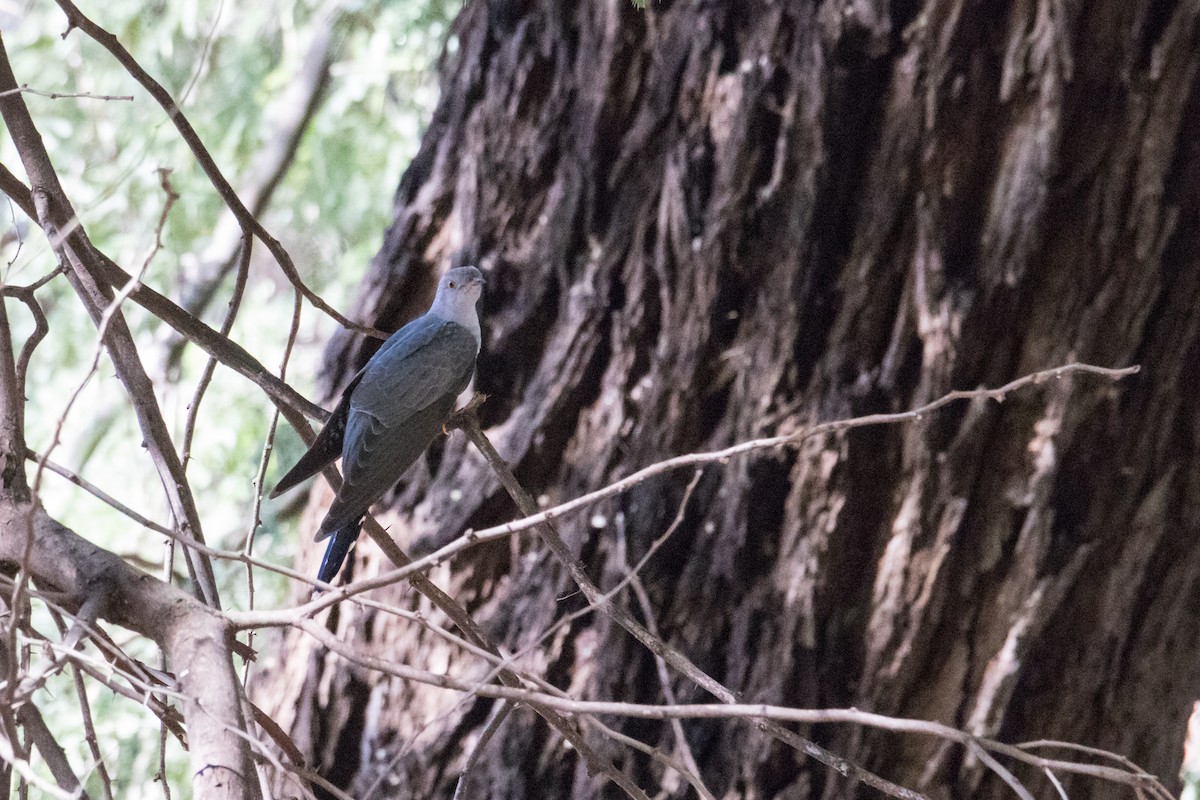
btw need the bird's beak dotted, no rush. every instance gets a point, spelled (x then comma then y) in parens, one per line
(478, 282)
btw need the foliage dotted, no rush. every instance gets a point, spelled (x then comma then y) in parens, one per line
(226, 63)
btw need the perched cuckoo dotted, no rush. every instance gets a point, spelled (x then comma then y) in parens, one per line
(393, 409)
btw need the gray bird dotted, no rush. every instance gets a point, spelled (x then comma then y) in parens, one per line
(393, 409)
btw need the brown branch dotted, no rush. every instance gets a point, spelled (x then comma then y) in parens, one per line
(25, 88)
(85, 619)
(12, 418)
(21, 765)
(77, 19)
(195, 638)
(40, 326)
(553, 541)
(58, 219)
(998, 768)
(297, 105)
(471, 538)
(655, 753)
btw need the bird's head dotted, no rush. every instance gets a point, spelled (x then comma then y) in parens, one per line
(457, 292)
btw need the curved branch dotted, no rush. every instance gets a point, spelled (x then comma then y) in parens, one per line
(294, 406)
(297, 105)
(77, 19)
(58, 219)
(197, 640)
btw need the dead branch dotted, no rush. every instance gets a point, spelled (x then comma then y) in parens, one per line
(297, 105)
(77, 19)
(195, 638)
(58, 219)
(553, 541)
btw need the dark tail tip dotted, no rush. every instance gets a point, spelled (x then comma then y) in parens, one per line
(335, 553)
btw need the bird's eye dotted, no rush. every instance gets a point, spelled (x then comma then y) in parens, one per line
(453, 285)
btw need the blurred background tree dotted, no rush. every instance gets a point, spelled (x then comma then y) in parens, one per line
(234, 67)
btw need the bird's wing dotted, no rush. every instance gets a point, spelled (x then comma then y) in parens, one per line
(406, 392)
(422, 362)
(375, 455)
(325, 449)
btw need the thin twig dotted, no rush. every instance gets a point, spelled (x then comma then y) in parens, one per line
(551, 538)
(98, 493)
(25, 88)
(210, 366)
(502, 710)
(77, 19)
(998, 768)
(1155, 784)
(40, 326)
(664, 677)
(657, 754)
(1062, 793)
(793, 439)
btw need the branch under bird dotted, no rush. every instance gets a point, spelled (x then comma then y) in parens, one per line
(393, 409)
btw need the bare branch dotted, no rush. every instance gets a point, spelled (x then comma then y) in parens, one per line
(58, 219)
(25, 770)
(25, 88)
(109, 42)
(1058, 787)
(97, 492)
(553, 541)
(41, 327)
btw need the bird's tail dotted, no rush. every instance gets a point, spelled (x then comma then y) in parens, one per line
(335, 553)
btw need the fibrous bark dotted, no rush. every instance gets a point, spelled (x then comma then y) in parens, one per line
(708, 222)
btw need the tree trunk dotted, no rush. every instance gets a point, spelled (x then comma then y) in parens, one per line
(707, 222)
